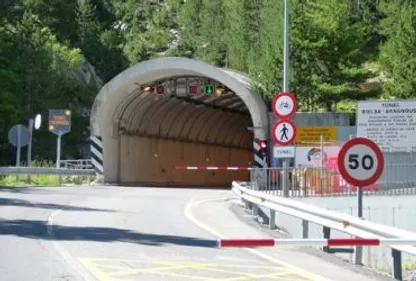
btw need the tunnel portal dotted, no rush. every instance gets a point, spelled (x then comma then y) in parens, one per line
(171, 112)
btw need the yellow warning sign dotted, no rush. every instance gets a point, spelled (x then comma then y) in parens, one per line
(311, 136)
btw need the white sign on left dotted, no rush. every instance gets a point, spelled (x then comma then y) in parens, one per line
(284, 152)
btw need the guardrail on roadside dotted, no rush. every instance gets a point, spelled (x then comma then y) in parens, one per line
(329, 220)
(45, 171)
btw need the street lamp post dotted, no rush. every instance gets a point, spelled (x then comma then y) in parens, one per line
(286, 48)
(285, 164)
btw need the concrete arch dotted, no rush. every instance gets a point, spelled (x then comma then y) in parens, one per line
(120, 107)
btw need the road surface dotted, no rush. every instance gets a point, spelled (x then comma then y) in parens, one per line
(110, 233)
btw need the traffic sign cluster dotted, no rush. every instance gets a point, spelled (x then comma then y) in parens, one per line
(192, 90)
(284, 106)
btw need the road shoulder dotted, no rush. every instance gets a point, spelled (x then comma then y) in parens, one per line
(232, 221)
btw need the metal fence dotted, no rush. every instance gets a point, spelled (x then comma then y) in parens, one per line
(397, 179)
(79, 164)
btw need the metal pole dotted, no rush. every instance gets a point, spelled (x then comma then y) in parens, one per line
(286, 48)
(285, 184)
(29, 147)
(58, 151)
(18, 149)
(285, 163)
(359, 249)
(360, 201)
(18, 145)
(58, 155)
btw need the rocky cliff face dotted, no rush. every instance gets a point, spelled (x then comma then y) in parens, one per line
(85, 74)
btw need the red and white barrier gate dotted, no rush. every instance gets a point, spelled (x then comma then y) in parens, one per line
(214, 168)
(269, 242)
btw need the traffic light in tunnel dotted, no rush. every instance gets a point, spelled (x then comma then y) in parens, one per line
(208, 90)
(192, 90)
(148, 89)
(219, 91)
(160, 90)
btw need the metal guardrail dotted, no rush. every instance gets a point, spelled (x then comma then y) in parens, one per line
(45, 171)
(329, 220)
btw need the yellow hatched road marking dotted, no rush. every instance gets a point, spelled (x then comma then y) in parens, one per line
(156, 269)
(94, 267)
(251, 277)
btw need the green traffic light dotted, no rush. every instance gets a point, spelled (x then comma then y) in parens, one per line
(209, 90)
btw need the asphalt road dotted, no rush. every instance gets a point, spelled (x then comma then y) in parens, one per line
(109, 233)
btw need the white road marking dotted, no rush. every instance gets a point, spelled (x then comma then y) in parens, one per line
(191, 217)
(64, 254)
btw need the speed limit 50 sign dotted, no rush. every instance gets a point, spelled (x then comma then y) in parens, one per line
(360, 162)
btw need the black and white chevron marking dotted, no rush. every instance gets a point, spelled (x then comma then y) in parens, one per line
(259, 160)
(97, 154)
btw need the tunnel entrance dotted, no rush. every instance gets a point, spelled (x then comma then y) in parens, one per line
(172, 112)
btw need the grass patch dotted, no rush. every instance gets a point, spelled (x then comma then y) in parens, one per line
(407, 265)
(43, 180)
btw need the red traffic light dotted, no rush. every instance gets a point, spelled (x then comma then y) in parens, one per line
(193, 90)
(263, 144)
(160, 90)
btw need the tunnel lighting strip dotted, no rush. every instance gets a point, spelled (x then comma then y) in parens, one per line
(269, 242)
(214, 168)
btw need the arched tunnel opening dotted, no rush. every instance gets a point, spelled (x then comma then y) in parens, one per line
(154, 121)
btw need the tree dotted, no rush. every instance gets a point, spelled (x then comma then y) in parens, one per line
(267, 59)
(211, 47)
(189, 22)
(398, 54)
(326, 50)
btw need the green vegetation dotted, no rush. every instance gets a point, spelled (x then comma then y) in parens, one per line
(43, 180)
(341, 51)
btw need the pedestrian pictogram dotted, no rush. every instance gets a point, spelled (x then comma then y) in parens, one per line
(284, 105)
(360, 162)
(284, 132)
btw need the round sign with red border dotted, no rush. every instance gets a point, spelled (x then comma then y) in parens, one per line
(284, 105)
(284, 132)
(360, 162)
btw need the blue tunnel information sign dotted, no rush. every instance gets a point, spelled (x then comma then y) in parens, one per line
(59, 121)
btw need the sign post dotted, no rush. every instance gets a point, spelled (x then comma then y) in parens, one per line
(19, 137)
(284, 106)
(59, 124)
(361, 163)
(36, 124)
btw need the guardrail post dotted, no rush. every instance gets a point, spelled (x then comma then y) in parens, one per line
(255, 210)
(397, 264)
(272, 219)
(305, 229)
(358, 255)
(327, 234)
